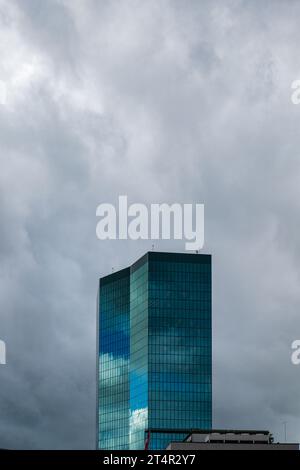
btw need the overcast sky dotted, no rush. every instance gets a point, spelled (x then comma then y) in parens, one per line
(164, 101)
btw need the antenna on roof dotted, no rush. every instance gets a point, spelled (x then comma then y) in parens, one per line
(153, 247)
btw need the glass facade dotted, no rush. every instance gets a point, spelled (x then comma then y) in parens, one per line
(113, 361)
(164, 383)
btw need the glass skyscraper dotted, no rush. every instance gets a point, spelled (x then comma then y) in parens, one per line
(155, 351)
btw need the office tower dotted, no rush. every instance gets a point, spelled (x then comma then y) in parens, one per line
(155, 352)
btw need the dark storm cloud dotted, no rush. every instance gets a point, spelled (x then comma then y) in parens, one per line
(162, 102)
